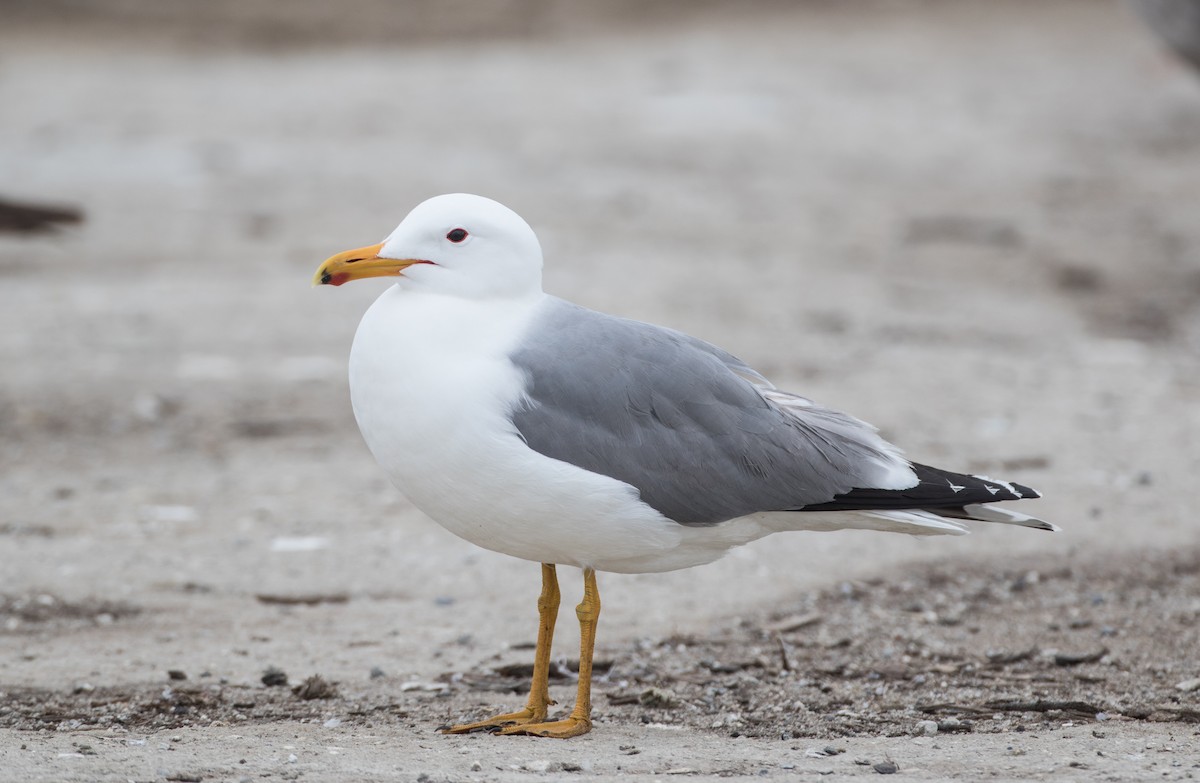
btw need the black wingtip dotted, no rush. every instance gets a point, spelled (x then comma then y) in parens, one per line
(1028, 493)
(936, 488)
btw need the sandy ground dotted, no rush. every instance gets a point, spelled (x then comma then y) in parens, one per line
(972, 224)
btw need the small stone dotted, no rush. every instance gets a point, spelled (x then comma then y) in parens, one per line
(176, 674)
(274, 677)
(927, 727)
(376, 673)
(1187, 686)
(950, 725)
(657, 698)
(417, 685)
(886, 767)
(476, 766)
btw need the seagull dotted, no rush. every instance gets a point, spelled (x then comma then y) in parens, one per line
(543, 430)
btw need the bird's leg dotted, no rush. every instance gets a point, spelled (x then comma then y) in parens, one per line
(580, 719)
(539, 691)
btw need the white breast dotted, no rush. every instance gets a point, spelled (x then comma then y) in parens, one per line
(432, 388)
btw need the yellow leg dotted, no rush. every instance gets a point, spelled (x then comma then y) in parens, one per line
(580, 719)
(539, 691)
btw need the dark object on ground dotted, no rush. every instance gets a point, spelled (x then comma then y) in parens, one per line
(316, 687)
(1177, 23)
(17, 218)
(274, 677)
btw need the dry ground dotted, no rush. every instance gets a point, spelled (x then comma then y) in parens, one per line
(1101, 653)
(971, 223)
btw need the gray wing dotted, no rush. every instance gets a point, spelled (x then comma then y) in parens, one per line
(703, 437)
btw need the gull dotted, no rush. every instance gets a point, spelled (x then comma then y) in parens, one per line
(543, 430)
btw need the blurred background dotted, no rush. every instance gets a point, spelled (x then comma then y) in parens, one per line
(973, 224)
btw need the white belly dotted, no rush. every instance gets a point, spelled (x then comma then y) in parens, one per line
(432, 387)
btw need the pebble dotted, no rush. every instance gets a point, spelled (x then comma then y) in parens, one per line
(886, 767)
(820, 753)
(927, 727)
(377, 672)
(658, 697)
(476, 766)
(416, 685)
(176, 674)
(1187, 686)
(274, 677)
(957, 725)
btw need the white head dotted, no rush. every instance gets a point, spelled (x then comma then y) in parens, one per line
(457, 245)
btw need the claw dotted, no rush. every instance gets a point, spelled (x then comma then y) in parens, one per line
(499, 723)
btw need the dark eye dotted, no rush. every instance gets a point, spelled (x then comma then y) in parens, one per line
(457, 235)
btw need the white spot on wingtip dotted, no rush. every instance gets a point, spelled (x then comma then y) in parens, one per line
(1005, 484)
(954, 487)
